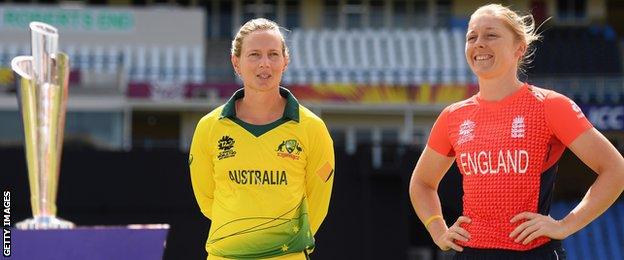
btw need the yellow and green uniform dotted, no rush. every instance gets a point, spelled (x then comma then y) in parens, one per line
(265, 188)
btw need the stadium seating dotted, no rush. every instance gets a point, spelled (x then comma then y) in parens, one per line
(602, 239)
(434, 56)
(377, 57)
(586, 90)
(112, 66)
(571, 60)
(577, 51)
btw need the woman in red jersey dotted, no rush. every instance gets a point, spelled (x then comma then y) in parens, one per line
(506, 141)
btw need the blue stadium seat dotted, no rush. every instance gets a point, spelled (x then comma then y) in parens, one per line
(601, 239)
(577, 50)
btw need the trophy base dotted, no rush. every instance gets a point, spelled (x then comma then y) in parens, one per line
(44, 222)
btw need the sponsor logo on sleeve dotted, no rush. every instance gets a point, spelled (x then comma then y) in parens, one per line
(577, 109)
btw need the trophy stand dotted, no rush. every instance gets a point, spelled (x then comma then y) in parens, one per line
(42, 99)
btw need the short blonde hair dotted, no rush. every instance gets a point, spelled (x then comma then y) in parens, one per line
(522, 26)
(253, 25)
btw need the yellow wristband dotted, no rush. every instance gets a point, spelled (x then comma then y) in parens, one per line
(431, 219)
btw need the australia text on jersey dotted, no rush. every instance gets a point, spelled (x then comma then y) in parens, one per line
(258, 177)
(503, 161)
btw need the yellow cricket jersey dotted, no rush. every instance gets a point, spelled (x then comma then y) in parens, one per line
(265, 188)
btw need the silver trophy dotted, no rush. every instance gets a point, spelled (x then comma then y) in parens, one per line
(42, 98)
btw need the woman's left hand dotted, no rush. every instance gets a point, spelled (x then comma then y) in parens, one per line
(536, 225)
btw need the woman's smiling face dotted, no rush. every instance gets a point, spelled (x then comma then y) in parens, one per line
(492, 49)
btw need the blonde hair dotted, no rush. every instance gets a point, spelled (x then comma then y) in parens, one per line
(253, 25)
(522, 26)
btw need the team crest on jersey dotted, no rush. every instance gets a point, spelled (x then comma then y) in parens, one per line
(226, 147)
(466, 132)
(289, 148)
(517, 127)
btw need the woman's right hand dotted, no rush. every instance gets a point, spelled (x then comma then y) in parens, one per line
(455, 232)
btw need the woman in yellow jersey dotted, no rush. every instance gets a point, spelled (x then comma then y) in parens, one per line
(506, 141)
(262, 165)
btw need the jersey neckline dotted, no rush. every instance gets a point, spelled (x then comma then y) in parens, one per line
(291, 112)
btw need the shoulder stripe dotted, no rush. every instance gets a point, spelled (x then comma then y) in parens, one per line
(461, 104)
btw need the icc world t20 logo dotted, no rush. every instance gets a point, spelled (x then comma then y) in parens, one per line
(289, 148)
(226, 147)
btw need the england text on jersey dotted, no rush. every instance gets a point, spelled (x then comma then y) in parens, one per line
(503, 161)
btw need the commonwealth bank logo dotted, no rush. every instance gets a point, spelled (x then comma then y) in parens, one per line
(226, 147)
(289, 148)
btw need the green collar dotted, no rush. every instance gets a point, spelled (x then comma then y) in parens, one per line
(291, 111)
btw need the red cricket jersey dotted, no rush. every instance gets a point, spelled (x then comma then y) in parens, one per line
(507, 153)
